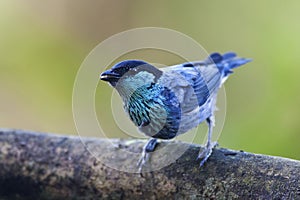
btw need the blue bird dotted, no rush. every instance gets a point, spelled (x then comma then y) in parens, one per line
(166, 102)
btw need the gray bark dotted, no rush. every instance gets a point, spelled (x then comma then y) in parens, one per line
(46, 166)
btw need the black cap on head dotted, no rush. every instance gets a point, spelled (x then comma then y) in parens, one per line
(128, 68)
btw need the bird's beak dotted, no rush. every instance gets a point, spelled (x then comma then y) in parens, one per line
(109, 76)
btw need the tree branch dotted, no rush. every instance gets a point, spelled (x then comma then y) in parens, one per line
(45, 166)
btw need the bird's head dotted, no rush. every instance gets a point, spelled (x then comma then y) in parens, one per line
(128, 75)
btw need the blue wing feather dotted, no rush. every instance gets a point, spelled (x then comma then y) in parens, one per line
(206, 76)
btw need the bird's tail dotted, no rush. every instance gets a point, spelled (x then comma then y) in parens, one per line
(227, 62)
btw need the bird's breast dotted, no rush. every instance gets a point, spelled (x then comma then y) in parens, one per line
(157, 114)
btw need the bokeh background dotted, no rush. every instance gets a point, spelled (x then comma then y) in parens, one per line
(43, 43)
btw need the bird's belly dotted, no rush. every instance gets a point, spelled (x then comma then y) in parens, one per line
(165, 126)
(190, 120)
(163, 129)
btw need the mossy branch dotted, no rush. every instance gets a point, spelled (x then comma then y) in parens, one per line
(45, 166)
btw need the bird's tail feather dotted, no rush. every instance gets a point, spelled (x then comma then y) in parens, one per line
(227, 61)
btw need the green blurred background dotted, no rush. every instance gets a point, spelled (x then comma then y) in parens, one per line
(43, 44)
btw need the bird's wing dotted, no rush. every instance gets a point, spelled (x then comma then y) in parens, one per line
(194, 83)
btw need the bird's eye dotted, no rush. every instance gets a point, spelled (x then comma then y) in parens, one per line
(134, 69)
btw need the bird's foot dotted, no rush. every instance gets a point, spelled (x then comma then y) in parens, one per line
(142, 161)
(147, 149)
(206, 152)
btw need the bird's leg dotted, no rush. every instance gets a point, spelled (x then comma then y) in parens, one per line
(206, 152)
(147, 149)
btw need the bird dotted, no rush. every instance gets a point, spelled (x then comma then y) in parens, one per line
(166, 102)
